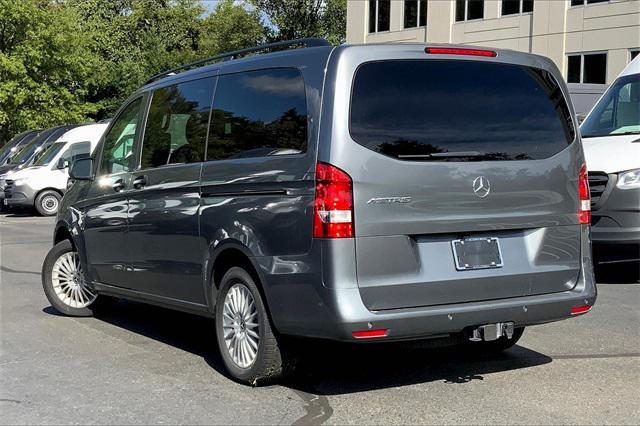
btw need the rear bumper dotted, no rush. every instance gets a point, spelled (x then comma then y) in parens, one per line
(334, 309)
(418, 323)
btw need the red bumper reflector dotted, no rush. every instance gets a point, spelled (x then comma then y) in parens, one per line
(580, 310)
(460, 51)
(370, 334)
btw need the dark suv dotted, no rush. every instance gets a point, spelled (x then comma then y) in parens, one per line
(355, 193)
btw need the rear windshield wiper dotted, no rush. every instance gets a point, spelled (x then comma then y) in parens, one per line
(458, 154)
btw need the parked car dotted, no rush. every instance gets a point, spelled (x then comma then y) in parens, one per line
(29, 153)
(355, 193)
(611, 140)
(43, 184)
(15, 144)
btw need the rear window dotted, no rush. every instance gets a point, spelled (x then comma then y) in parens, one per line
(430, 110)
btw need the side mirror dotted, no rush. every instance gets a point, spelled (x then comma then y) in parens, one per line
(63, 164)
(81, 169)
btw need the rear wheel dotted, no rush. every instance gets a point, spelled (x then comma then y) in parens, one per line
(64, 283)
(250, 349)
(48, 202)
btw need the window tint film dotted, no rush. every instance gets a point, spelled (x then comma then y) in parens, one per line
(117, 151)
(257, 114)
(458, 111)
(176, 130)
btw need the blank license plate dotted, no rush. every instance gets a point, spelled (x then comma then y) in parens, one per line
(476, 253)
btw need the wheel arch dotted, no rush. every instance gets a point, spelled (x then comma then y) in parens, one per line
(225, 256)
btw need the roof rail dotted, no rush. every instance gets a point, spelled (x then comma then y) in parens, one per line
(228, 56)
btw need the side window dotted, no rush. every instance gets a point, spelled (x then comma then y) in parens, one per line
(176, 130)
(117, 150)
(75, 151)
(257, 114)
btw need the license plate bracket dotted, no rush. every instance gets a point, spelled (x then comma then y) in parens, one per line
(477, 253)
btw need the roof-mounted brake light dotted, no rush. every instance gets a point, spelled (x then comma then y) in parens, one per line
(460, 51)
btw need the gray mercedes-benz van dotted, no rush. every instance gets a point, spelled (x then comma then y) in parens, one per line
(355, 193)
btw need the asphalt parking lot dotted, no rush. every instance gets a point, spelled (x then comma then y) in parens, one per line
(141, 364)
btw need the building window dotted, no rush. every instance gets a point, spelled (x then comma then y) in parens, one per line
(583, 2)
(379, 15)
(467, 10)
(588, 68)
(514, 7)
(634, 53)
(415, 13)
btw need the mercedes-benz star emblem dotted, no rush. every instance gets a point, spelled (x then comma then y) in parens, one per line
(481, 186)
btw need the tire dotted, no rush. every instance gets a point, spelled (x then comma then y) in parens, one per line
(237, 330)
(47, 202)
(497, 346)
(64, 284)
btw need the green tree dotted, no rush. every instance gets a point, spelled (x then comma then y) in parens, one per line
(306, 18)
(43, 64)
(230, 27)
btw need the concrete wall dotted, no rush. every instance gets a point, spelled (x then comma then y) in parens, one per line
(554, 29)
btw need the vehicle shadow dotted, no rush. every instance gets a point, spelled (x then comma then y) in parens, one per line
(327, 368)
(618, 274)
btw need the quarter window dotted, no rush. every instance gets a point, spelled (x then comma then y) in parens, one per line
(469, 9)
(379, 15)
(117, 151)
(587, 68)
(415, 13)
(176, 130)
(258, 114)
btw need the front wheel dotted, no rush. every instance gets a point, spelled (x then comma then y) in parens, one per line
(64, 283)
(48, 202)
(250, 349)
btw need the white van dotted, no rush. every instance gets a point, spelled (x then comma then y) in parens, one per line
(611, 140)
(42, 185)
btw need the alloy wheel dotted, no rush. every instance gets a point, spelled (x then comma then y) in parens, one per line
(69, 283)
(240, 325)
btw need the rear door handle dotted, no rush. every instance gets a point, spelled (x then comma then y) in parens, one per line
(118, 185)
(139, 182)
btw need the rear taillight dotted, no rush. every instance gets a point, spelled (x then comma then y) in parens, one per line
(584, 215)
(370, 334)
(460, 51)
(333, 207)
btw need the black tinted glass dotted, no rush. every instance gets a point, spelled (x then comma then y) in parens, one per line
(595, 68)
(384, 14)
(475, 9)
(527, 6)
(573, 69)
(423, 13)
(410, 13)
(460, 10)
(435, 110)
(176, 130)
(577, 2)
(372, 16)
(257, 114)
(510, 7)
